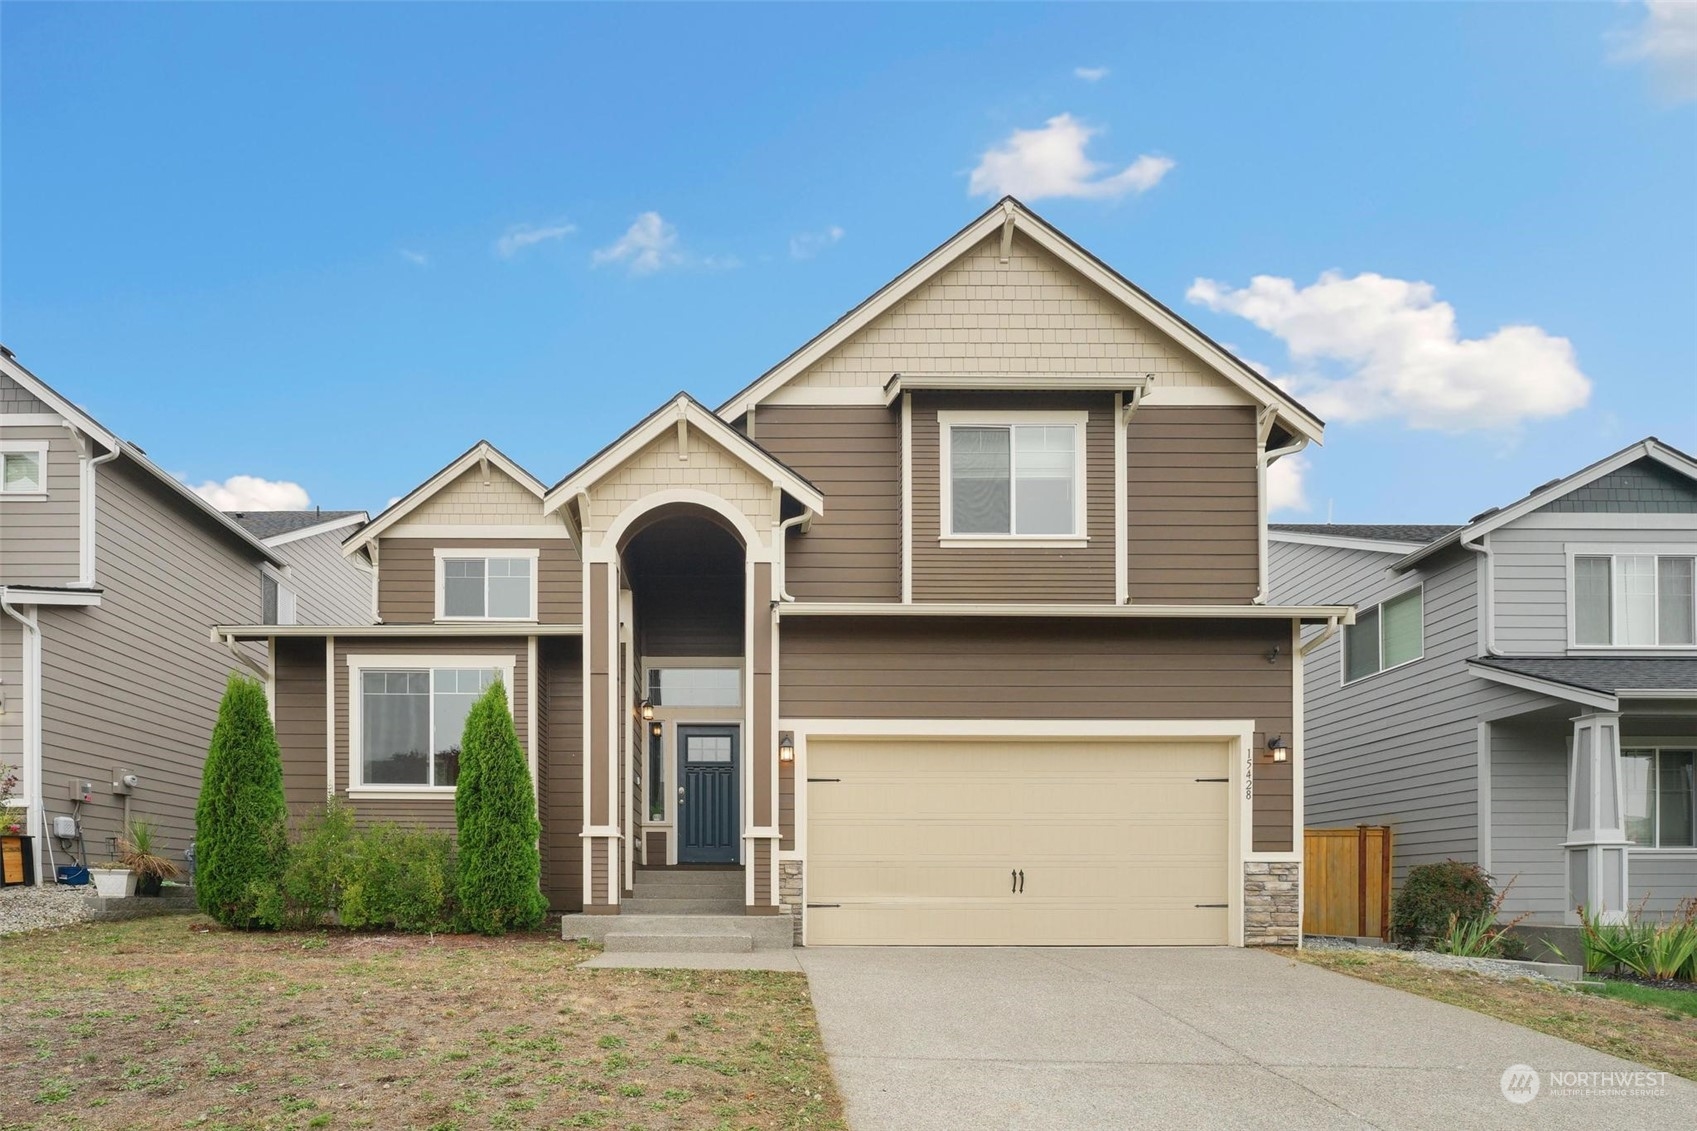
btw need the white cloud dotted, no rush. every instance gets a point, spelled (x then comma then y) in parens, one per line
(1393, 351)
(416, 258)
(805, 245)
(520, 236)
(1091, 74)
(1285, 483)
(251, 493)
(1667, 43)
(651, 244)
(1033, 164)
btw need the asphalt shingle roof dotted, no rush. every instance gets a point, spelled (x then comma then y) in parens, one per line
(1421, 532)
(1607, 674)
(269, 524)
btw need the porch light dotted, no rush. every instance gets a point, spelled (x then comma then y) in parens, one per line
(1277, 745)
(786, 746)
(647, 711)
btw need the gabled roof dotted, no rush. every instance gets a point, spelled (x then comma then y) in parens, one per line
(693, 414)
(1010, 211)
(412, 500)
(1482, 524)
(277, 527)
(1378, 537)
(94, 430)
(1610, 675)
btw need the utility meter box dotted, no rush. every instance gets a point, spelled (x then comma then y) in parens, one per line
(123, 781)
(82, 790)
(65, 828)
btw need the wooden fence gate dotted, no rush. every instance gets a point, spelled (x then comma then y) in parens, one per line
(1346, 885)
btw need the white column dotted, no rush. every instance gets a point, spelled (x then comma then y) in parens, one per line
(1596, 833)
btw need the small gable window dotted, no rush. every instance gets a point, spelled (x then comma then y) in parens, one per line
(23, 468)
(486, 584)
(1634, 600)
(1012, 475)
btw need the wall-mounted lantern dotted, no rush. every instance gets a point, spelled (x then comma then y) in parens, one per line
(786, 746)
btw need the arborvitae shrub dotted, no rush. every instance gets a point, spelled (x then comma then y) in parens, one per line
(240, 839)
(500, 867)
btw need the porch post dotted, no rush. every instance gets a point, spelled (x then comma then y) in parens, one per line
(602, 720)
(1596, 832)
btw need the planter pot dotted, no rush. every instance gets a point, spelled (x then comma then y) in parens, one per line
(113, 883)
(148, 885)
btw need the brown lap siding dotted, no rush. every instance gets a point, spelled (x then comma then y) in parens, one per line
(954, 573)
(560, 691)
(1057, 669)
(299, 715)
(406, 577)
(1192, 528)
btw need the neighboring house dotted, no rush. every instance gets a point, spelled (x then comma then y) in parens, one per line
(317, 584)
(1521, 690)
(111, 575)
(948, 629)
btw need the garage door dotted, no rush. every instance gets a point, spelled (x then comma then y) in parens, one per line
(924, 842)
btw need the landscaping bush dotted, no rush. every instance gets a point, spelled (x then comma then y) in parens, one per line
(322, 862)
(1432, 894)
(500, 867)
(402, 879)
(1650, 949)
(241, 819)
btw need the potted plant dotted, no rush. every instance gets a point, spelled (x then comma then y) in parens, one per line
(113, 882)
(136, 852)
(17, 863)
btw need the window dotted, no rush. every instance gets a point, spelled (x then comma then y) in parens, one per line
(278, 599)
(1661, 797)
(1634, 600)
(411, 721)
(1013, 475)
(485, 585)
(23, 468)
(656, 771)
(695, 687)
(1384, 636)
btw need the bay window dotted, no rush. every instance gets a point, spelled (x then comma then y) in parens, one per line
(1384, 636)
(486, 584)
(1634, 600)
(1012, 475)
(1660, 789)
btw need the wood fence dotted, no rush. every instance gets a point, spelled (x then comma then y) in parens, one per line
(1346, 882)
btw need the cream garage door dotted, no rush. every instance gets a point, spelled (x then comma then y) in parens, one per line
(923, 842)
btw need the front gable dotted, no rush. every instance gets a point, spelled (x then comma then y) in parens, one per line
(482, 495)
(1642, 487)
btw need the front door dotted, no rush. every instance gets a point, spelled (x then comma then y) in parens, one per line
(707, 795)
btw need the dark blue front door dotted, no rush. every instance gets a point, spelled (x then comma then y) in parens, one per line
(707, 795)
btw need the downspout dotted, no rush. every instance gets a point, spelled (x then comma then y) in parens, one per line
(1487, 599)
(37, 825)
(88, 516)
(1319, 638)
(241, 657)
(784, 553)
(1266, 461)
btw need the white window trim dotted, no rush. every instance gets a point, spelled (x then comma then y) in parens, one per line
(1656, 746)
(443, 554)
(357, 666)
(1613, 551)
(1378, 606)
(948, 420)
(286, 594)
(37, 448)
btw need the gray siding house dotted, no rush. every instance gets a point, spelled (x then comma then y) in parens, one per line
(1519, 690)
(317, 584)
(112, 573)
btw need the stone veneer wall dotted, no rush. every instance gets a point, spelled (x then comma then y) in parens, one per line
(789, 893)
(1271, 905)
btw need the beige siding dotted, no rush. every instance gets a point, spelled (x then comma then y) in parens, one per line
(659, 467)
(1192, 529)
(330, 587)
(1062, 670)
(436, 811)
(955, 573)
(39, 537)
(15, 398)
(560, 720)
(135, 683)
(299, 712)
(853, 454)
(1032, 314)
(406, 577)
(480, 498)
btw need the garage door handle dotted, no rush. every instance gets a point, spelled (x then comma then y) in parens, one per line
(1214, 779)
(1022, 881)
(1013, 880)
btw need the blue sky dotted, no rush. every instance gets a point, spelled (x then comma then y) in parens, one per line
(334, 245)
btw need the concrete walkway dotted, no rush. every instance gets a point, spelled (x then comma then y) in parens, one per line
(658, 960)
(1180, 1038)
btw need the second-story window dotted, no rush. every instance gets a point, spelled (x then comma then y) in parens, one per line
(1634, 600)
(493, 586)
(1013, 478)
(23, 468)
(1384, 636)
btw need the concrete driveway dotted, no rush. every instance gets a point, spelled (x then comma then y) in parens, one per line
(1109, 1038)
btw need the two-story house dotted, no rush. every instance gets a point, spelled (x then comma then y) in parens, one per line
(1519, 690)
(112, 573)
(950, 628)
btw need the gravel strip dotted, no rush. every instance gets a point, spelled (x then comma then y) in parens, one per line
(34, 908)
(1499, 968)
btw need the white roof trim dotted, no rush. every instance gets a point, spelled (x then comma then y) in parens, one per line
(1650, 448)
(412, 500)
(48, 595)
(225, 632)
(1343, 613)
(694, 414)
(996, 382)
(313, 531)
(41, 391)
(1052, 241)
(1550, 687)
(1372, 545)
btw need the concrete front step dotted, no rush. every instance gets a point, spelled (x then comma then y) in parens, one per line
(705, 942)
(764, 932)
(644, 903)
(711, 883)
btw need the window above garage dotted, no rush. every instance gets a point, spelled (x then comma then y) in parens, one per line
(1012, 477)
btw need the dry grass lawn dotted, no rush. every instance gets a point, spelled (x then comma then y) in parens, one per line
(171, 1022)
(1663, 1039)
